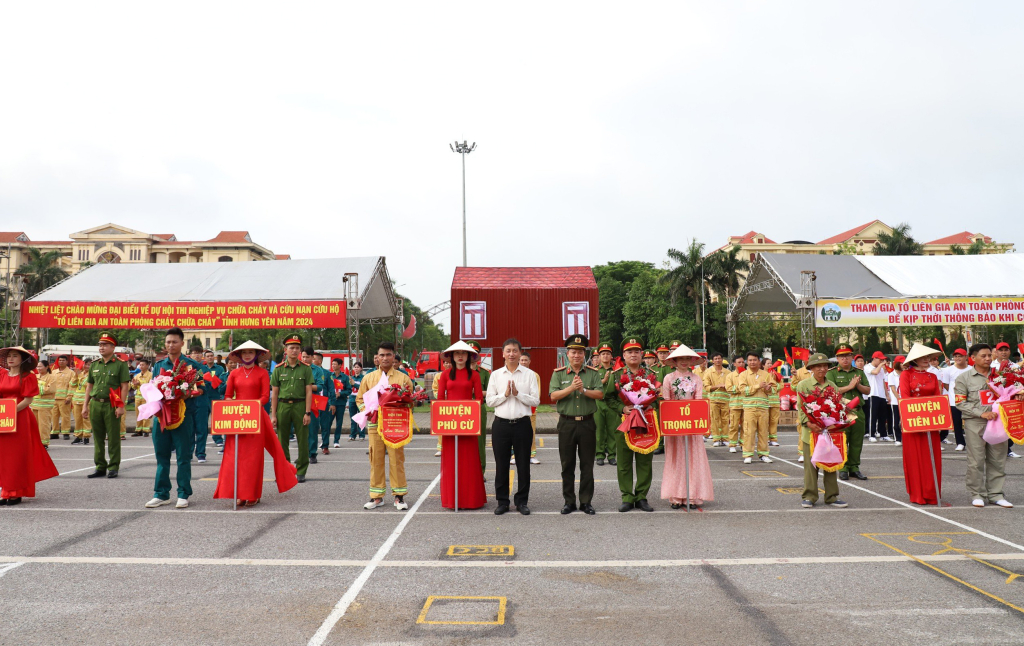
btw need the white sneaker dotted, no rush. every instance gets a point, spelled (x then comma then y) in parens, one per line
(181, 504)
(747, 460)
(400, 503)
(897, 443)
(512, 461)
(157, 502)
(766, 459)
(774, 444)
(374, 503)
(732, 449)
(946, 442)
(800, 459)
(887, 439)
(1011, 454)
(438, 454)
(534, 461)
(872, 439)
(201, 460)
(337, 446)
(978, 502)
(959, 447)
(1005, 504)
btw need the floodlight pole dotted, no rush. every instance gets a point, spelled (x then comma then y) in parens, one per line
(463, 149)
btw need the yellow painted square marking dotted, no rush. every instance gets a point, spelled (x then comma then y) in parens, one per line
(765, 474)
(499, 619)
(797, 490)
(481, 550)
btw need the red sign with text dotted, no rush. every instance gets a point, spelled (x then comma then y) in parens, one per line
(1012, 415)
(8, 415)
(236, 417)
(685, 417)
(394, 424)
(454, 417)
(987, 397)
(198, 315)
(920, 414)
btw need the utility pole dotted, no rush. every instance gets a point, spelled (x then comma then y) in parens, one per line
(463, 149)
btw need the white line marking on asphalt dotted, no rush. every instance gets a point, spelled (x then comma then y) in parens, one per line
(918, 612)
(320, 636)
(388, 513)
(343, 563)
(922, 511)
(7, 567)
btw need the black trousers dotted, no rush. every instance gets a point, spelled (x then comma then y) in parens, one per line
(897, 423)
(958, 426)
(508, 438)
(576, 437)
(881, 417)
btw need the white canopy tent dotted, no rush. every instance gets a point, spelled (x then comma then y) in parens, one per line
(792, 286)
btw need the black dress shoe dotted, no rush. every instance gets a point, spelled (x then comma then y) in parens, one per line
(97, 474)
(568, 509)
(112, 474)
(626, 506)
(3, 502)
(588, 509)
(659, 452)
(523, 509)
(844, 475)
(13, 501)
(77, 440)
(859, 475)
(86, 441)
(54, 436)
(643, 504)
(301, 478)
(600, 462)
(312, 459)
(500, 509)
(611, 461)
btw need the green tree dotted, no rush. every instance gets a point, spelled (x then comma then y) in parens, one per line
(613, 284)
(686, 279)
(898, 243)
(42, 270)
(976, 248)
(723, 270)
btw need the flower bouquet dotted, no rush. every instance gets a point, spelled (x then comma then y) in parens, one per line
(640, 424)
(165, 395)
(826, 408)
(1005, 383)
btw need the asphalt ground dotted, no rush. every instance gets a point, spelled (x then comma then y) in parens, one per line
(83, 563)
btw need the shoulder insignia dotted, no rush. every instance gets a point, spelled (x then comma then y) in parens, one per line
(561, 369)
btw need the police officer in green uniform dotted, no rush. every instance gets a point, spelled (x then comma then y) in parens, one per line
(605, 419)
(632, 497)
(106, 373)
(291, 400)
(575, 389)
(485, 378)
(851, 382)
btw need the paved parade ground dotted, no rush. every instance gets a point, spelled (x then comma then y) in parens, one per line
(86, 564)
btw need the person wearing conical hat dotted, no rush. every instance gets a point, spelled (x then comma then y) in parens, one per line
(23, 459)
(851, 383)
(634, 496)
(575, 389)
(291, 403)
(107, 373)
(460, 383)
(485, 379)
(605, 419)
(251, 382)
(818, 365)
(917, 380)
(685, 454)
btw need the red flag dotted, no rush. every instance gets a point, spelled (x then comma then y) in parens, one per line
(213, 379)
(337, 386)
(939, 343)
(789, 359)
(618, 363)
(115, 398)
(410, 330)
(803, 354)
(319, 404)
(1020, 348)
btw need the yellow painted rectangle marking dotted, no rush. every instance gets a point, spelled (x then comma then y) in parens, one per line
(499, 620)
(481, 550)
(765, 474)
(540, 442)
(797, 490)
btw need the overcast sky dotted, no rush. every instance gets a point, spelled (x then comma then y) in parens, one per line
(604, 131)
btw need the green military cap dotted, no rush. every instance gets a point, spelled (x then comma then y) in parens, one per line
(605, 348)
(632, 343)
(106, 337)
(818, 359)
(577, 341)
(474, 345)
(674, 344)
(293, 339)
(844, 348)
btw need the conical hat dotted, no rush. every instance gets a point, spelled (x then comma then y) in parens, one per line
(919, 350)
(682, 352)
(459, 345)
(28, 362)
(261, 352)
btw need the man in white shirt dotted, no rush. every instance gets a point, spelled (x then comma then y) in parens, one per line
(893, 383)
(880, 415)
(949, 377)
(512, 392)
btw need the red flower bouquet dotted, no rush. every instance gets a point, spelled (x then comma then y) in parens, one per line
(173, 385)
(393, 394)
(640, 424)
(826, 408)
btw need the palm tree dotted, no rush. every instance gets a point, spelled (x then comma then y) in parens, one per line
(41, 270)
(686, 279)
(976, 248)
(722, 270)
(898, 243)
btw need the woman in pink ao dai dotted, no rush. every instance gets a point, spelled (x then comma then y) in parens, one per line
(683, 384)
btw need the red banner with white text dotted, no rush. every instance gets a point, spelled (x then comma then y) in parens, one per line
(196, 315)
